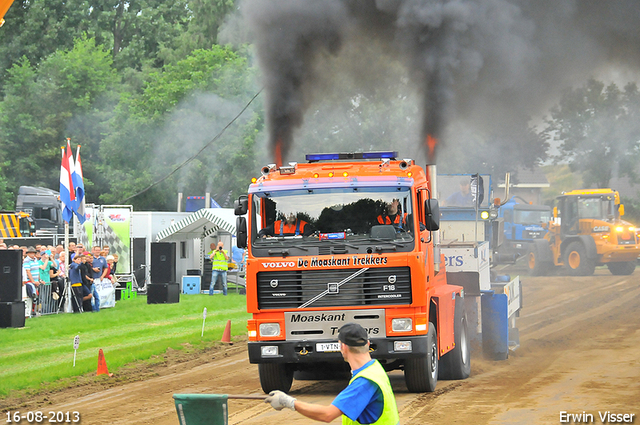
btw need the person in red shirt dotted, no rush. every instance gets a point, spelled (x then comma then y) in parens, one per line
(290, 226)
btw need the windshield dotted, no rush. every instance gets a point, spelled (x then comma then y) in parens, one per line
(532, 216)
(600, 208)
(319, 216)
(456, 190)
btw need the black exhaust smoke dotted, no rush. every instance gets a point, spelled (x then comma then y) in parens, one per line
(484, 61)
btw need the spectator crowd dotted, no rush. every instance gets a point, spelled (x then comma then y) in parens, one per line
(45, 277)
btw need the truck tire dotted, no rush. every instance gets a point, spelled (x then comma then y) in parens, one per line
(537, 267)
(456, 364)
(576, 261)
(624, 268)
(275, 376)
(421, 374)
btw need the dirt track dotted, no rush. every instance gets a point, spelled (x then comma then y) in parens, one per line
(579, 352)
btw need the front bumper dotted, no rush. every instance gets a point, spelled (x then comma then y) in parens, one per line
(305, 351)
(622, 253)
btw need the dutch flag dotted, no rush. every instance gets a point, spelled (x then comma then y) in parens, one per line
(78, 183)
(67, 194)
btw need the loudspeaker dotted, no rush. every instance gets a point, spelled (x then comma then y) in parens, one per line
(163, 293)
(12, 315)
(163, 262)
(206, 275)
(10, 275)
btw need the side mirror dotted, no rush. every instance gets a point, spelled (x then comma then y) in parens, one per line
(477, 188)
(241, 232)
(241, 205)
(621, 209)
(432, 214)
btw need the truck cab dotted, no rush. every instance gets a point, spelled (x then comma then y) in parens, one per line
(348, 237)
(522, 223)
(44, 206)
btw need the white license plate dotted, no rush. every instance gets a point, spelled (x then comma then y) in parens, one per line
(327, 346)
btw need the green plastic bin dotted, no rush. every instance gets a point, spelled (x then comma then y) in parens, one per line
(202, 409)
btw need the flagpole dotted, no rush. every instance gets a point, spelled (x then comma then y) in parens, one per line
(67, 304)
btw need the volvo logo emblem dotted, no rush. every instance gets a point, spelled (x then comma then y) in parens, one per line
(392, 279)
(274, 283)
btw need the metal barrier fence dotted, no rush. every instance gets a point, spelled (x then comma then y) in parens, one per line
(46, 303)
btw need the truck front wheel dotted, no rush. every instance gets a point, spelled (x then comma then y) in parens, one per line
(421, 374)
(275, 376)
(456, 364)
(576, 261)
(624, 268)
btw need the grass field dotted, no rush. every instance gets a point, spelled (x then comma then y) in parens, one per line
(42, 352)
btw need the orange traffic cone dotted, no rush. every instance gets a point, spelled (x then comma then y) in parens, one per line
(226, 335)
(102, 365)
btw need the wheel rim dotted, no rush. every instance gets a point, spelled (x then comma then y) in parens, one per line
(574, 259)
(463, 343)
(434, 361)
(532, 261)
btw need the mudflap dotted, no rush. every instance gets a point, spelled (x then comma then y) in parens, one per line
(500, 308)
(495, 326)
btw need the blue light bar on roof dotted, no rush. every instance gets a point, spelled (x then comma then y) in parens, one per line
(314, 157)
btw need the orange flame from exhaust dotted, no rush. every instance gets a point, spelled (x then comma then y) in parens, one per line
(432, 142)
(278, 153)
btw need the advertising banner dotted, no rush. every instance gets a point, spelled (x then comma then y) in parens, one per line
(85, 232)
(117, 234)
(107, 293)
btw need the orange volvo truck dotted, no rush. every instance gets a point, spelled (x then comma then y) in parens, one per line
(343, 260)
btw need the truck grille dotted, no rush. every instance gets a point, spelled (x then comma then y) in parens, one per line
(376, 286)
(532, 234)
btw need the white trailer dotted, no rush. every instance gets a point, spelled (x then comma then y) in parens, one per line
(468, 264)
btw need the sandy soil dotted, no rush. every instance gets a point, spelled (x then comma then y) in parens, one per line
(578, 353)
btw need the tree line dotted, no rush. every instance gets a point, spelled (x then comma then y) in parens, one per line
(148, 92)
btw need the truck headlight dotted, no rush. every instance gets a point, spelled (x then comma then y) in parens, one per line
(402, 346)
(402, 325)
(269, 329)
(269, 350)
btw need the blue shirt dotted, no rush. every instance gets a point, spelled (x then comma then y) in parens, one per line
(33, 266)
(101, 263)
(26, 265)
(74, 273)
(459, 199)
(236, 254)
(362, 400)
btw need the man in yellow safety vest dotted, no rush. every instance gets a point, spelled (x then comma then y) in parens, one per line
(219, 266)
(368, 399)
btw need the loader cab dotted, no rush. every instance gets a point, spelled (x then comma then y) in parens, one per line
(568, 211)
(27, 224)
(600, 207)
